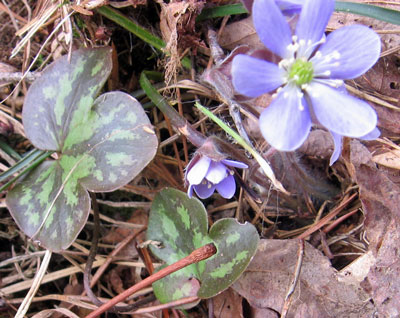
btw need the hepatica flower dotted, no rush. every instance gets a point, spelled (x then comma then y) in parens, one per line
(289, 7)
(205, 175)
(309, 78)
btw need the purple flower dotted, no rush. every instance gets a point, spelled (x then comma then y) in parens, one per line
(309, 78)
(205, 175)
(288, 7)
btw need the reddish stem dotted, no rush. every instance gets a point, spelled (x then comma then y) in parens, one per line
(196, 256)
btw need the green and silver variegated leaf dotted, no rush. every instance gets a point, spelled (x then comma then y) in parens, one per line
(180, 225)
(102, 144)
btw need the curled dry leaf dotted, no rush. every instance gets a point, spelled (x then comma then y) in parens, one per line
(318, 293)
(390, 159)
(380, 198)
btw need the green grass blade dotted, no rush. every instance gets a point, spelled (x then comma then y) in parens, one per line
(177, 120)
(261, 161)
(137, 30)
(221, 11)
(376, 12)
(30, 161)
(379, 13)
(9, 150)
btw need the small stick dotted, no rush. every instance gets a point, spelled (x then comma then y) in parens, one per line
(196, 256)
(328, 217)
(23, 308)
(179, 302)
(293, 283)
(92, 254)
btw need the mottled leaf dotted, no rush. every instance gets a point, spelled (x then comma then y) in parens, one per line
(101, 143)
(180, 224)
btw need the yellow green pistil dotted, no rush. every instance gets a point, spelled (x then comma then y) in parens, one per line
(301, 72)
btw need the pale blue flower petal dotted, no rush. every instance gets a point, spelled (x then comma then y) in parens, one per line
(253, 77)
(217, 172)
(337, 140)
(289, 7)
(283, 124)
(348, 52)
(341, 113)
(233, 163)
(313, 20)
(204, 190)
(227, 187)
(199, 170)
(271, 27)
(190, 191)
(371, 135)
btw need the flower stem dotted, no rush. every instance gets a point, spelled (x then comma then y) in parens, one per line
(262, 162)
(180, 123)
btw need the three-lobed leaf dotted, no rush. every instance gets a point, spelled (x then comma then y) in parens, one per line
(102, 143)
(181, 225)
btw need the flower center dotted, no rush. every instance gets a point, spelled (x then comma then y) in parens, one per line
(301, 72)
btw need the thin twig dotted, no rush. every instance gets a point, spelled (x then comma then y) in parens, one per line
(90, 260)
(196, 256)
(293, 283)
(327, 218)
(35, 286)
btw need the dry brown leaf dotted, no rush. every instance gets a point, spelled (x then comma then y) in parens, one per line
(228, 304)
(319, 293)
(177, 25)
(240, 33)
(116, 281)
(380, 198)
(390, 159)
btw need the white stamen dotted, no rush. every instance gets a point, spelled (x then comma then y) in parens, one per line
(231, 172)
(300, 94)
(302, 42)
(285, 95)
(293, 47)
(304, 86)
(336, 55)
(294, 38)
(318, 54)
